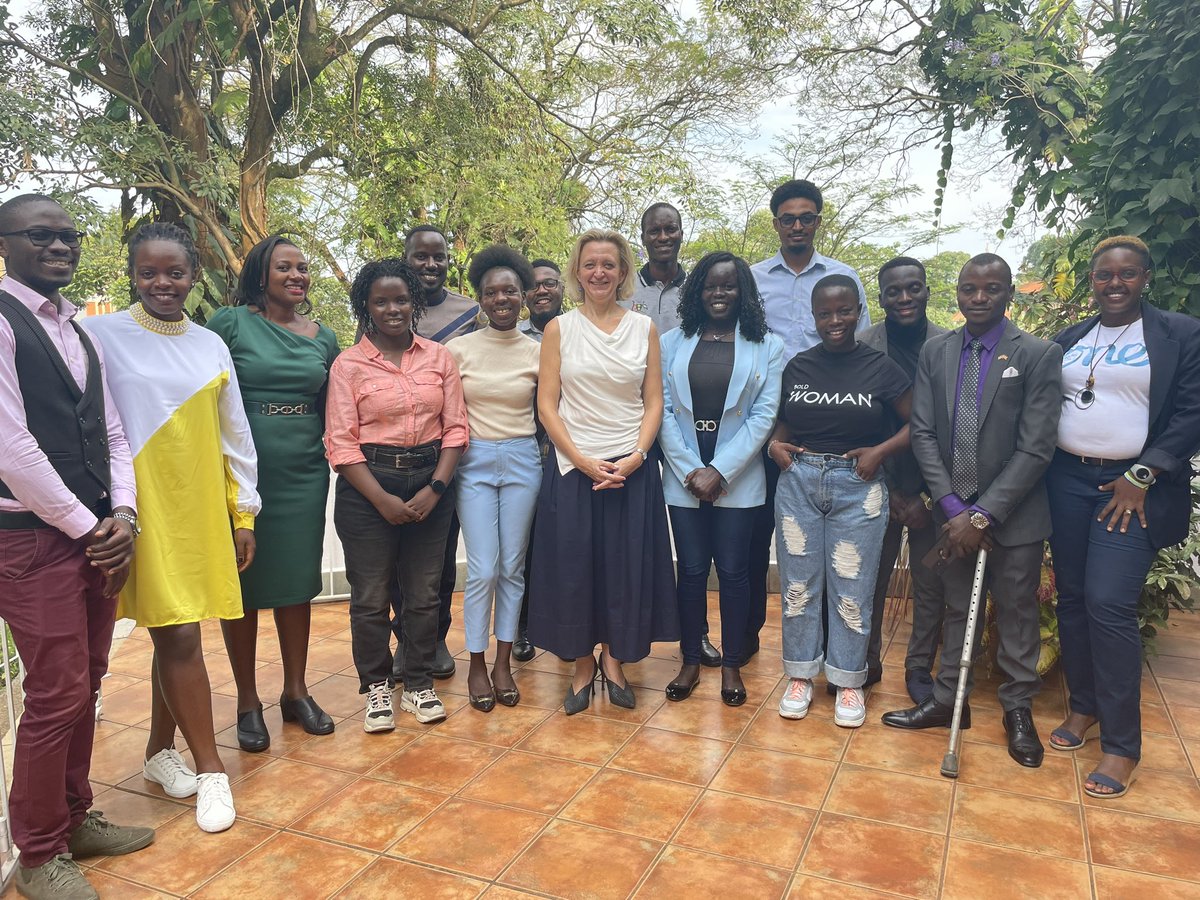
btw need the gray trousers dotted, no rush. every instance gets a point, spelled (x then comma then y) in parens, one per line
(927, 598)
(1013, 574)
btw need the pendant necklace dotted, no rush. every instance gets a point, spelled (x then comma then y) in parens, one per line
(1086, 395)
(720, 337)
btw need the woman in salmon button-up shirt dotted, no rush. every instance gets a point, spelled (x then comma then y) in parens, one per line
(396, 427)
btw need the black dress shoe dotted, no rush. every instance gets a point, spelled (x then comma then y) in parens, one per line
(750, 649)
(252, 731)
(443, 662)
(681, 688)
(710, 656)
(929, 714)
(311, 717)
(1024, 745)
(919, 684)
(522, 649)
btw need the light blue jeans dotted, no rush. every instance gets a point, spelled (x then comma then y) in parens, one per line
(497, 486)
(829, 528)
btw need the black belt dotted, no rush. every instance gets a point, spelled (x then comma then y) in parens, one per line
(25, 520)
(1097, 460)
(402, 457)
(707, 425)
(281, 409)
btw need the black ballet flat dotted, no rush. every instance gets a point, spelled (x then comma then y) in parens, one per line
(733, 696)
(484, 702)
(680, 690)
(252, 733)
(311, 717)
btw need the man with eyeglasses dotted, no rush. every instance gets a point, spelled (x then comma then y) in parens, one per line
(67, 524)
(659, 280)
(544, 302)
(786, 281)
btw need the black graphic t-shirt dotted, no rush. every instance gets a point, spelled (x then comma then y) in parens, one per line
(834, 402)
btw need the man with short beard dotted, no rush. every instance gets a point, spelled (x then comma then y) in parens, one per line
(544, 302)
(67, 524)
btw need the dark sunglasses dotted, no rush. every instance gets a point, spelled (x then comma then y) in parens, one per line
(45, 237)
(807, 220)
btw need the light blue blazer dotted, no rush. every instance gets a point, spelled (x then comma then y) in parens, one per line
(751, 405)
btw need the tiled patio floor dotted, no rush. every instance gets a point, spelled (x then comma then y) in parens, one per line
(688, 799)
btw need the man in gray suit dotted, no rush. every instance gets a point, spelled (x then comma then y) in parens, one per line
(904, 298)
(984, 427)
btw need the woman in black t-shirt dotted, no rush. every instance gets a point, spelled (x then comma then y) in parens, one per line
(831, 506)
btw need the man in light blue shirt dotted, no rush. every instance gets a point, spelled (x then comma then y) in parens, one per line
(786, 281)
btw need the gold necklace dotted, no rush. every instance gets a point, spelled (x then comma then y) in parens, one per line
(159, 326)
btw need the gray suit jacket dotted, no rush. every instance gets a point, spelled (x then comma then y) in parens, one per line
(900, 471)
(1018, 428)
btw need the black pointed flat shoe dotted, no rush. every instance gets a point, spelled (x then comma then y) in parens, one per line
(311, 717)
(508, 697)
(252, 731)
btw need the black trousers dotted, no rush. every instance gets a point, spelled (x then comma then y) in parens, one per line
(760, 553)
(377, 553)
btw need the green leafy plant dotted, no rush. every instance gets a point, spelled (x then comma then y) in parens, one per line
(1172, 583)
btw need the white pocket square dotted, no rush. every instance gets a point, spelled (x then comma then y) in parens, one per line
(1010, 372)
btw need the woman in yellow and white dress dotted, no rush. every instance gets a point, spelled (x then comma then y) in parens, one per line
(193, 457)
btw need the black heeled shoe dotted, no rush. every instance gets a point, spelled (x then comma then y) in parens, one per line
(311, 717)
(578, 701)
(679, 689)
(252, 731)
(618, 695)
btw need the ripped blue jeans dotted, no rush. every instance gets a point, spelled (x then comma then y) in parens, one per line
(829, 528)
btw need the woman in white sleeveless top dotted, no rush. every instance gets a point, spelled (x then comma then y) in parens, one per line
(605, 574)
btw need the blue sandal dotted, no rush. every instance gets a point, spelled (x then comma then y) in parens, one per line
(1073, 741)
(1118, 789)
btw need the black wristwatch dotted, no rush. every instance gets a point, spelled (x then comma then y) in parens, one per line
(438, 486)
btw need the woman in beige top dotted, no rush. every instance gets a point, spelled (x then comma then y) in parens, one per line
(499, 475)
(605, 575)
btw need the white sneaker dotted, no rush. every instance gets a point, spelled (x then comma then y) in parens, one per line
(850, 711)
(167, 768)
(214, 802)
(379, 709)
(796, 699)
(425, 705)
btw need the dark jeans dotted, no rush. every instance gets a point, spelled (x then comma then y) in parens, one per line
(445, 587)
(760, 553)
(376, 552)
(705, 535)
(1099, 575)
(53, 600)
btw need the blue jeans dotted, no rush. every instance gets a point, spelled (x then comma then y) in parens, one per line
(1099, 575)
(704, 535)
(497, 492)
(829, 528)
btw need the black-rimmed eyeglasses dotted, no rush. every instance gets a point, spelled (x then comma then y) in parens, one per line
(45, 237)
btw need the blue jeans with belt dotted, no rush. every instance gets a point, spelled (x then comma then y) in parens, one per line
(829, 528)
(497, 492)
(1099, 575)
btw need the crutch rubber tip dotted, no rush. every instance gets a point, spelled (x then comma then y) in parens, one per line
(950, 764)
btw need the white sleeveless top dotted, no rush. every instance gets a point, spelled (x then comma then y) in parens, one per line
(601, 375)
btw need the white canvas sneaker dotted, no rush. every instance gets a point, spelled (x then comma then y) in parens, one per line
(214, 802)
(796, 699)
(167, 768)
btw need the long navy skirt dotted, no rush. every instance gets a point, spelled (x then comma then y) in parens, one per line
(602, 569)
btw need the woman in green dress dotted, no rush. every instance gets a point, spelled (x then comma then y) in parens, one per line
(282, 359)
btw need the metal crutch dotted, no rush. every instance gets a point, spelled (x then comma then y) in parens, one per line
(950, 760)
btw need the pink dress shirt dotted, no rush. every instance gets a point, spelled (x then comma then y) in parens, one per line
(23, 465)
(371, 401)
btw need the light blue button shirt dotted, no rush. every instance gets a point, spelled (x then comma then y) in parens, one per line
(787, 298)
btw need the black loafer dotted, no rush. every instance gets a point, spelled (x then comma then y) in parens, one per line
(252, 731)
(929, 714)
(443, 662)
(710, 656)
(311, 717)
(522, 649)
(1024, 745)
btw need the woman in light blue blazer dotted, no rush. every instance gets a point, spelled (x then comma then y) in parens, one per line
(722, 376)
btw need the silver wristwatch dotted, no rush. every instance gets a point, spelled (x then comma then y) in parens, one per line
(131, 519)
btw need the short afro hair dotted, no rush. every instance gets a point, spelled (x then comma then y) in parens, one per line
(797, 187)
(987, 259)
(545, 264)
(837, 282)
(1124, 242)
(499, 256)
(9, 208)
(897, 263)
(390, 267)
(422, 228)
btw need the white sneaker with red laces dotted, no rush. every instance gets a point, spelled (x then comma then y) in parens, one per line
(850, 711)
(796, 699)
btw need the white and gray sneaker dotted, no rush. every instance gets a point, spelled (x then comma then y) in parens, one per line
(379, 708)
(214, 802)
(425, 705)
(851, 708)
(796, 699)
(167, 768)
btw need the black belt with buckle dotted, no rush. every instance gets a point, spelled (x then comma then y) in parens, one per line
(707, 425)
(1098, 461)
(284, 409)
(402, 457)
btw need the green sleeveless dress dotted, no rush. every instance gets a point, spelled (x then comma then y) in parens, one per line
(277, 366)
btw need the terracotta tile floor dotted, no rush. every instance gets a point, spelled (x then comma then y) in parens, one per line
(670, 800)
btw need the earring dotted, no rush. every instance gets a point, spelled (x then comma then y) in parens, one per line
(481, 319)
